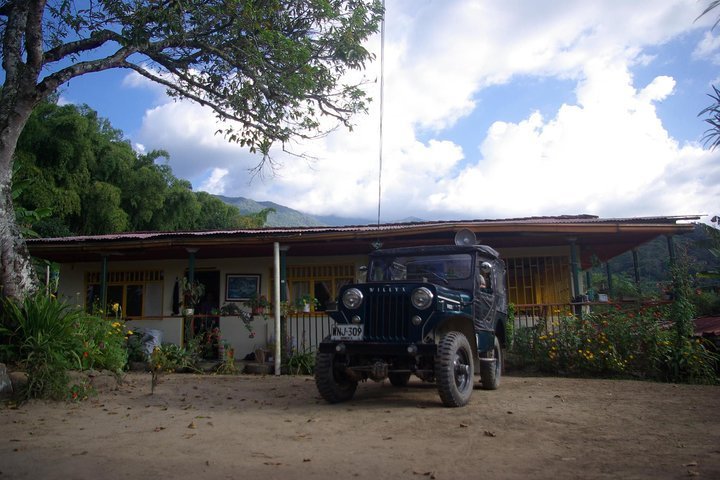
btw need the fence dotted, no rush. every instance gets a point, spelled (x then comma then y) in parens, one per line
(547, 315)
(305, 330)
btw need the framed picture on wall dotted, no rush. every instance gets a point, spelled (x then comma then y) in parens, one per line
(240, 287)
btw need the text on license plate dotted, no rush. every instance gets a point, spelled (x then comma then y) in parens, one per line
(347, 332)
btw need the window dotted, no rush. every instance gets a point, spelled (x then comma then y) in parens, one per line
(139, 293)
(318, 281)
(538, 280)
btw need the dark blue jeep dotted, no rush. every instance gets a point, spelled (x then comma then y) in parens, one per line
(436, 312)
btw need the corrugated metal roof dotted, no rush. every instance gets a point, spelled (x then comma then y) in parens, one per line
(707, 326)
(388, 227)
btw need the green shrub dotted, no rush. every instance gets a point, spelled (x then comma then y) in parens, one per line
(42, 339)
(102, 343)
(48, 337)
(301, 363)
(640, 343)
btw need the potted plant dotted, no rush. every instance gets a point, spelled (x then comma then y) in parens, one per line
(191, 293)
(258, 304)
(307, 302)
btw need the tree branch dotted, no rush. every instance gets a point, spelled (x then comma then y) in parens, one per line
(96, 40)
(52, 82)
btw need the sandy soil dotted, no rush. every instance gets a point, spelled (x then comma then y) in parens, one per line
(278, 428)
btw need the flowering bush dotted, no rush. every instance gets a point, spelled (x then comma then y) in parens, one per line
(617, 342)
(102, 343)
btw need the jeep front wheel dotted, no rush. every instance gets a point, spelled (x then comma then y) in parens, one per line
(333, 386)
(454, 370)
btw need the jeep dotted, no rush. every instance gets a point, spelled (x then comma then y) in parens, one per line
(436, 312)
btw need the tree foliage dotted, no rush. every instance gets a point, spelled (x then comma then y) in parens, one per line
(712, 112)
(271, 68)
(74, 164)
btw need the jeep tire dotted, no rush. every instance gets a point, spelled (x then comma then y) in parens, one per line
(454, 370)
(333, 387)
(491, 368)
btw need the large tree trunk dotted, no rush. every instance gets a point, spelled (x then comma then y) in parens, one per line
(22, 62)
(17, 275)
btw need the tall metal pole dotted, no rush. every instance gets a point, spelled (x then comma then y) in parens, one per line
(276, 294)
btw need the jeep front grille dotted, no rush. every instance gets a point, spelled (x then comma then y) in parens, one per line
(387, 317)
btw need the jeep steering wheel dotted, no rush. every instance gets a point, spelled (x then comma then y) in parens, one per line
(436, 275)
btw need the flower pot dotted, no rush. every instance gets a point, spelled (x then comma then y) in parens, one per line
(306, 308)
(260, 355)
(188, 312)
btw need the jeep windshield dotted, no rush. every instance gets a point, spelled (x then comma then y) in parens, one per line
(453, 270)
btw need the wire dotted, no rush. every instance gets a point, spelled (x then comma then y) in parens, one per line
(382, 104)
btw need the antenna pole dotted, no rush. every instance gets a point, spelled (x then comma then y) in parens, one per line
(382, 103)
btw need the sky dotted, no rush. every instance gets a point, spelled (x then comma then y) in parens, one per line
(492, 109)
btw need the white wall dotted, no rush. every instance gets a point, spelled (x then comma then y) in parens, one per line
(72, 289)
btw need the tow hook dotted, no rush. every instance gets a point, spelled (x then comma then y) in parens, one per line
(379, 371)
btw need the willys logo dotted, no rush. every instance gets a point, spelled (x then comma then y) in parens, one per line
(387, 289)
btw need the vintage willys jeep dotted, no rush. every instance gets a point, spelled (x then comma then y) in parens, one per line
(437, 312)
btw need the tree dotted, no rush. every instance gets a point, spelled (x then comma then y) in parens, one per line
(272, 68)
(712, 112)
(75, 165)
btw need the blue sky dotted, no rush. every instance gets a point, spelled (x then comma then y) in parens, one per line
(493, 109)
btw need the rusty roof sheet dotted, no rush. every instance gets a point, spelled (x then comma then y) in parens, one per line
(707, 326)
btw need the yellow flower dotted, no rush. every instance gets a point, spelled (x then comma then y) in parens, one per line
(115, 307)
(130, 332)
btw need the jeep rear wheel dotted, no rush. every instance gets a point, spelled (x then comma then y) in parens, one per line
(333, 386)
(454, 370)
(491, 368)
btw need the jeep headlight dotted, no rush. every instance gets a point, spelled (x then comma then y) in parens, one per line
(352, 298)
(421, 298)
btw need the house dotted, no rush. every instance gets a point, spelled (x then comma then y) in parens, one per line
(140, 271)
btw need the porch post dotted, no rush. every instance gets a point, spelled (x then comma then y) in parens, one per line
(191, 264)
(103, 284)
(588, 285)
(575, 270)
(283, 274)
(636, 268)
(278, 336)
(609, 277)
(671, 249)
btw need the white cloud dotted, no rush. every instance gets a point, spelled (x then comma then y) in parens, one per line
(606, 153)
(216, 182)
(708, 48)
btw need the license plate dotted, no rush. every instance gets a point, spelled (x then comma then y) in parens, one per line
(347, 332)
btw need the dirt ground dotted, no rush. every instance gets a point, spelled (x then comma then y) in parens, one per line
(253, 427)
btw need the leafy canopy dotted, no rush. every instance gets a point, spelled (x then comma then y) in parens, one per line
(73, 164)
(270, 66)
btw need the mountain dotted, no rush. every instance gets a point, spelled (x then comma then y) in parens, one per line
(287, 217)
(282, 217)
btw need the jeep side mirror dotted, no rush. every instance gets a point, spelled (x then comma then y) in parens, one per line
(485, 267)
